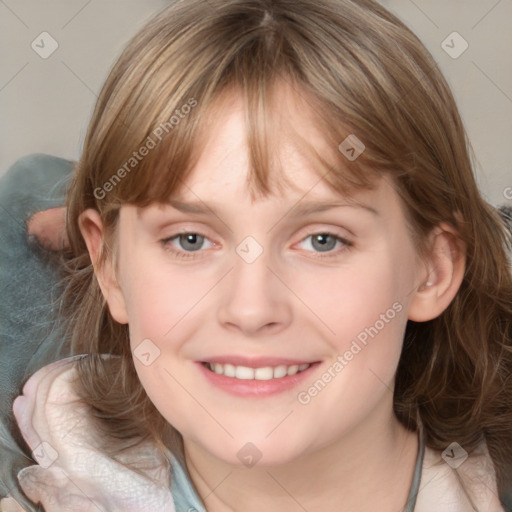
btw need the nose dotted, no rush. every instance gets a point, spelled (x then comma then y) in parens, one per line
(255, 298)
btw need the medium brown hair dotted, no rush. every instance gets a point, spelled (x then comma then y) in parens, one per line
(363, 72)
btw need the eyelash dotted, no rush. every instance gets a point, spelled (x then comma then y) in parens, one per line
(190, 255)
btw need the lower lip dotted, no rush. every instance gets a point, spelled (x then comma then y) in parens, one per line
(253, 387)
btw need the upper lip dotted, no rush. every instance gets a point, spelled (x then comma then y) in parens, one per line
(256, 362)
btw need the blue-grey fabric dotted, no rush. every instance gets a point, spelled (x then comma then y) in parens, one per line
(28, 285)
(29, 338)
(183, 493)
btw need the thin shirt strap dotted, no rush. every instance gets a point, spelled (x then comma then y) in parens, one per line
(413, 493)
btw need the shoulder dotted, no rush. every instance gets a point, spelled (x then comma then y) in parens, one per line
(72, 467)
(444, 478)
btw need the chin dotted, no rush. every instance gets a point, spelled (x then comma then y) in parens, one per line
(260, 452)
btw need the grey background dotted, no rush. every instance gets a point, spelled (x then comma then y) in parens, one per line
(46, 103)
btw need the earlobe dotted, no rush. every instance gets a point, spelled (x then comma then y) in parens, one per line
(91, 227)
(442, 278)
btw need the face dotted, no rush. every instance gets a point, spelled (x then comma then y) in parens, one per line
(252, 322)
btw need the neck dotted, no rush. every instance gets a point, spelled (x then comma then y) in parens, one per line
(370, 468)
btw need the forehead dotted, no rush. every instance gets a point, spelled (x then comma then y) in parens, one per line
(292, 141)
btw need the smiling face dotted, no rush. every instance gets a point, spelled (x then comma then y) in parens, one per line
(238, 313)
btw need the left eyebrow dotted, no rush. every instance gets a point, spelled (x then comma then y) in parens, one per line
(301, 210)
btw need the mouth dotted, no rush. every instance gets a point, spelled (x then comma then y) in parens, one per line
(259, 373)
(256, 378)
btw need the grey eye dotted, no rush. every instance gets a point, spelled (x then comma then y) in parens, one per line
(323, 242)
(190, 241)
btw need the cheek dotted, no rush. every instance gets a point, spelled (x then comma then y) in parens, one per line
(348, 300)
(160, 301)
(163, 310)
(367, 321)
(363, 309)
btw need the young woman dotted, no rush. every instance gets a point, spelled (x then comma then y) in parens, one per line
(284, 290)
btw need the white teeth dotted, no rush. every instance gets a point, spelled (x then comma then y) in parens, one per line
(229, 370)
(280, 371)
(244, 373)
(292, 370)
(264, 373)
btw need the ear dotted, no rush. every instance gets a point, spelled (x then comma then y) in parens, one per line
(443, 276)
(91, 227)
